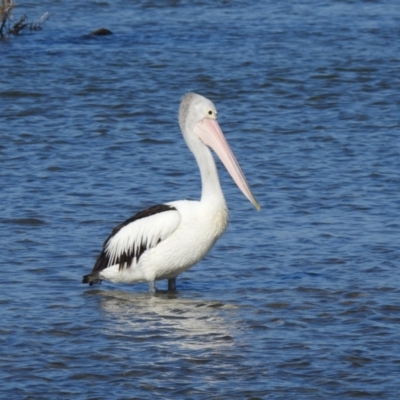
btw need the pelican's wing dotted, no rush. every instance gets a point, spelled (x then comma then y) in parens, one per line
(129, 240)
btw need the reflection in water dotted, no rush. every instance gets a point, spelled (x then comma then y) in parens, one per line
(184, 323)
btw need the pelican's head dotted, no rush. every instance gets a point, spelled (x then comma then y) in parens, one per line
(198, 121)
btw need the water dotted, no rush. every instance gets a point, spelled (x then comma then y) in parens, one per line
(299, 300)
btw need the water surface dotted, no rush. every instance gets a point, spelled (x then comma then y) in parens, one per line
(299, 300)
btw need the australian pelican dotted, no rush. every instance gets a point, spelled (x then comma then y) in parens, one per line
(167, 239)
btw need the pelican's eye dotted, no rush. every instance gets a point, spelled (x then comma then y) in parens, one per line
(212, 114)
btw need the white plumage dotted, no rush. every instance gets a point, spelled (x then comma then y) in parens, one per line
(167, 239)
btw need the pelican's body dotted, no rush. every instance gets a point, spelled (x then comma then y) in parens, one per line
(167, 239)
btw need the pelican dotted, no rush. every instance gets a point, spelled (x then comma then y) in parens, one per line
(168, 239)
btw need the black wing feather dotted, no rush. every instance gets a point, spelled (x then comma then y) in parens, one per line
(103, 260)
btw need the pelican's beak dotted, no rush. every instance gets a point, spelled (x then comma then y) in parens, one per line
(210, 134)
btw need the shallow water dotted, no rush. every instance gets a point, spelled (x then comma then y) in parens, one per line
(299, 300)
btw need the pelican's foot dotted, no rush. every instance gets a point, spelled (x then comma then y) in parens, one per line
(172, 285)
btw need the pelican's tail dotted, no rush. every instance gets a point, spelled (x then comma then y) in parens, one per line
(91, 279)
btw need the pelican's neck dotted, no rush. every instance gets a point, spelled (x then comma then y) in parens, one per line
(211, 188)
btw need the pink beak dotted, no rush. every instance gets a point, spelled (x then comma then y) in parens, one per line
(210, 134)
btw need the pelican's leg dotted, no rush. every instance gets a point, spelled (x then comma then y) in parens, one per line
(172, 285)
(152, 287)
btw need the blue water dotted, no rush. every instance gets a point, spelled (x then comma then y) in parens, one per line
(297, 301)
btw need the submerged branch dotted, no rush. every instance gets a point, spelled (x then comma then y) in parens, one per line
(5, 12)
(6, 8)
(36, 26)
(18, 26)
